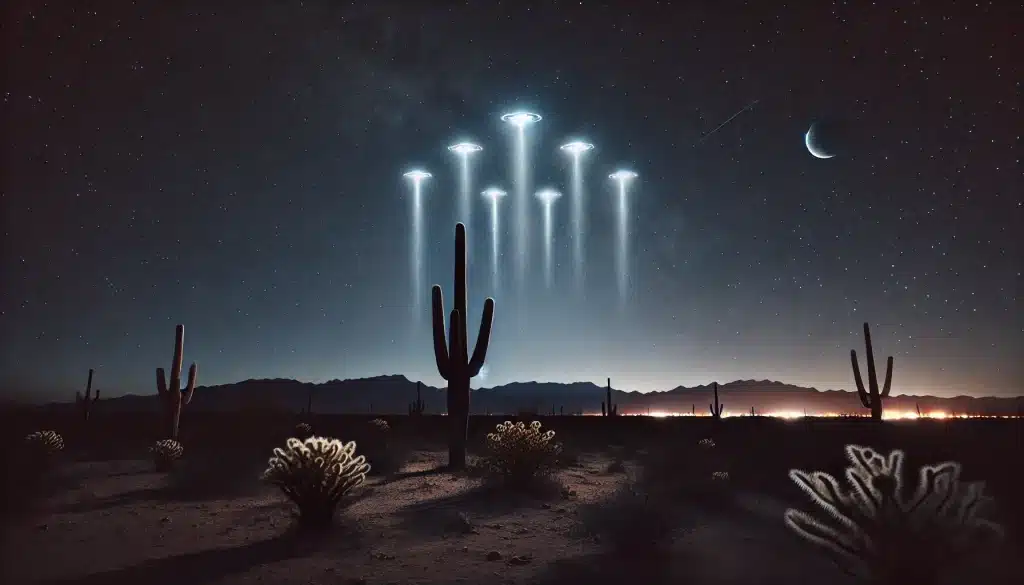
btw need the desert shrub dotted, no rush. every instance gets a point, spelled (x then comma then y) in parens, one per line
(385, 454)
(631, 523)
(381, 425)
(165, 453)
(303, 431)
(694, 472)
(519, 453)
(873, 530)
(44, 443)
(316, 474)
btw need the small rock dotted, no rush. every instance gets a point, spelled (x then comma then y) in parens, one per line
(382, 556)
(546, 506)
(494, 556)
(519, 560)
(465, 549)
(522, 530)
(356, 581)
(165, 519)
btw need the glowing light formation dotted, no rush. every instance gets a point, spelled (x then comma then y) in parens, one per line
(547, 198)
(520, 120)
(416, 260)
(493, 194)
(463, 150)
(623, 178)
(576, 150)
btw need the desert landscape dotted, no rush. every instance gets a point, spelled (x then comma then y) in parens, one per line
(103, 514)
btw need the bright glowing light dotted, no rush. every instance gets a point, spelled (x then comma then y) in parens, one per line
(417, 176)
(494, 194)
(465, 148)
(521, 180)
(622, 177)
(521, 119)
(547, 198)
(576, 150)
(465, 207)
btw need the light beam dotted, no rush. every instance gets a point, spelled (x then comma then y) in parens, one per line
(547, 198)
(576, 150)
(463, 150)
(493, 194)
(623, 178)
(520, 120)
(416, 177)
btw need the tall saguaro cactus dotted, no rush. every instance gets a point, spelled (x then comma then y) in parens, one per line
(174, 397)
(871, 397)
(417, 407)
(453, 361)
(86, 401)
(607, 408)
(716, 406)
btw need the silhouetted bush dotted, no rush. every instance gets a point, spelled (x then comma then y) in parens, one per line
(519, 454)
(165, 453)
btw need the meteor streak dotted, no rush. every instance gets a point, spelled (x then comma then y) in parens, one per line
(729, 119)
(494, 194)
(547, 198)
(621, 257)
(576, 150)
(417, 177)
(520, 120)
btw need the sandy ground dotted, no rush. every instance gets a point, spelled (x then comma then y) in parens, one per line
(422, 526)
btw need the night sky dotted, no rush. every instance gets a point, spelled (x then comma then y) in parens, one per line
(237, 168)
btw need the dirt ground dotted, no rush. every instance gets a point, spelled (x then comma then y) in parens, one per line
(115, 521)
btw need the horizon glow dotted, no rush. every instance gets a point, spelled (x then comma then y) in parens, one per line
(547, 198)
(417, 176)
(622, 178)
(519, 120)
(493, 194)
(576, 150)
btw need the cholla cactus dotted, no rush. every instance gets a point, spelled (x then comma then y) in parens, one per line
(315, 474)
(381, 425)
(165, 452)
(877, 532)
(303, 430)
(706, 443)
(45, 443)
(519, 452)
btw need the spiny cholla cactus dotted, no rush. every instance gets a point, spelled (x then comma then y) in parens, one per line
(165, 452)
(519, 452)
(876, 532)
(381, 425)
(706, 443)
(315, 474)
(45, 443)
(303, 430)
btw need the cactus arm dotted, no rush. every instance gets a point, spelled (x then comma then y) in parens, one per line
(889, 377)
(187, 393)
(483, 338)
(861, 391)
(161, 381)
(440, 351)
(78, 397)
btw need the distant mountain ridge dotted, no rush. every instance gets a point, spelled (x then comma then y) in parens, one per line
(393, 393)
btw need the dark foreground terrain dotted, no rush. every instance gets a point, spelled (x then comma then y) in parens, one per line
(105, 517)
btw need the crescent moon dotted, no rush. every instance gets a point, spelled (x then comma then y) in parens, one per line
(809, 142)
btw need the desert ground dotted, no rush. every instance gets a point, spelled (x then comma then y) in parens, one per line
(107, 518)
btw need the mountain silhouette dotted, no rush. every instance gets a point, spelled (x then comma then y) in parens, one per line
(392, 394)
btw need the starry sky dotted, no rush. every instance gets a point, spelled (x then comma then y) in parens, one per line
(237, 167)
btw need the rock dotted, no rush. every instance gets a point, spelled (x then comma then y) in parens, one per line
(494, 556)
(520, 560)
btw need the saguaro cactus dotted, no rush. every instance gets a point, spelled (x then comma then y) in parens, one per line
(86, 401)
(607, 408)
(716, 406)
(453, 361)
(871, 397)
(416, 408)
(173, 397)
